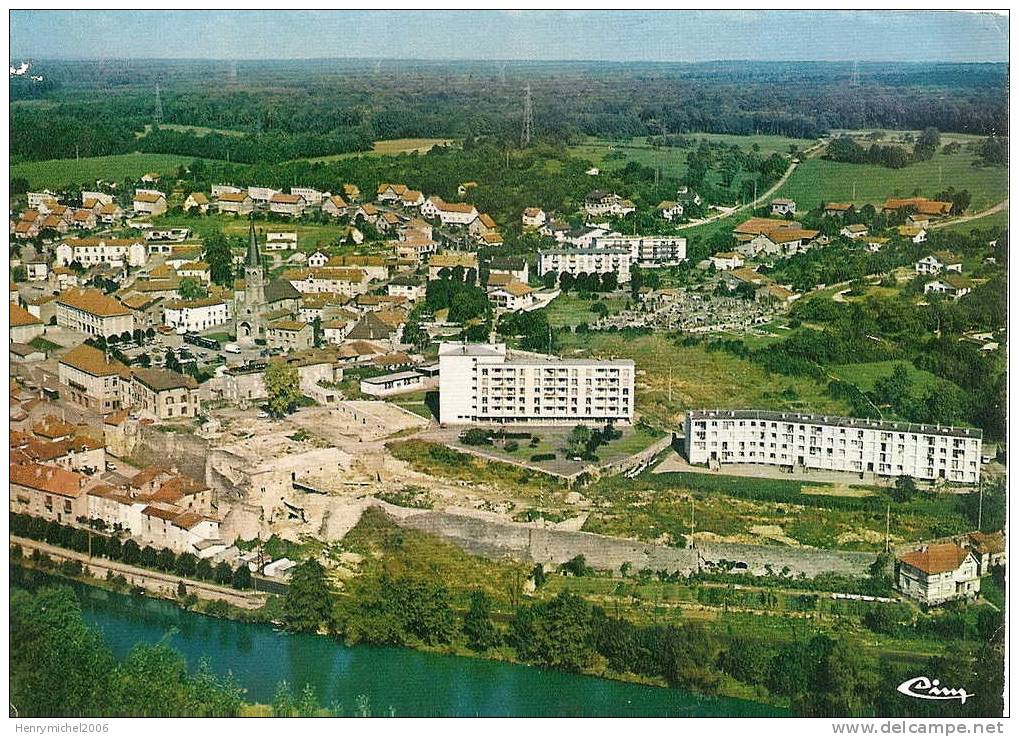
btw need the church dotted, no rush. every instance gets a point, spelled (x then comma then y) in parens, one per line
(257, 300)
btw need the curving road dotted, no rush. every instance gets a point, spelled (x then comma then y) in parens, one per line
(767, 195)
(1003, 205)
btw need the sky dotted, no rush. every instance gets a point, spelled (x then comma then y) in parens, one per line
(681, 36)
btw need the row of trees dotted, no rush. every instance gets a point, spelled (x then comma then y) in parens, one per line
(894, 156)
(819, 674)
(83, 540)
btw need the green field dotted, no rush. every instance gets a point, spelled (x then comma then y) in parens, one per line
(571, 310)
(310, 235)
(864, 375)
(55, 173)
(816, 181)
(996, 221)
(388, 148)
(615, 154)
(672, 378)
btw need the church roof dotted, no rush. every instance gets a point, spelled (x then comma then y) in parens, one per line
(280, 289)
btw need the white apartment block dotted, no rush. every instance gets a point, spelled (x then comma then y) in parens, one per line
(483, 383)
(925, 452)
(594, 260)
(92, 251)
(196, 315)
(647, 250)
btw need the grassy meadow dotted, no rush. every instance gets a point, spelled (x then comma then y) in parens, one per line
(56, 173)
(817, 180)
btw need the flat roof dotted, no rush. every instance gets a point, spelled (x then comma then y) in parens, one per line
(853, 422)
(389, 378)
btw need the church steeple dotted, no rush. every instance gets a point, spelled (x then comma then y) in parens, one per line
(254, 259)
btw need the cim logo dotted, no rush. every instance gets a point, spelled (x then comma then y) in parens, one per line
(922, 687)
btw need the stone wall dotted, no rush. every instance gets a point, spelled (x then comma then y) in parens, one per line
(492, 538)
(144, 445)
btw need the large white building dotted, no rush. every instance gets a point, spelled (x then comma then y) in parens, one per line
(197, 314)
(483, 383)
(93, 251)
(926, 452)
(594, 260)
(647, 250)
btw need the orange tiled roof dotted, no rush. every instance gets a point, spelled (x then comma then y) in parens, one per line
(51, 479)
(92, 301)
(20, 317)
(935, 559)
(93, 361)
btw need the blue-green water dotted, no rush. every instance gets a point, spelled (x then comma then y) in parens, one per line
(397, 681)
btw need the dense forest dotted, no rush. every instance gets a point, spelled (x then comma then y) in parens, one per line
(273, 111)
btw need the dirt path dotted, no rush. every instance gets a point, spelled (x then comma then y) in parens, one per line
(767, 195)
(1003, 205)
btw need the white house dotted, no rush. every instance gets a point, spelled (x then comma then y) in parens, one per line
(600, 202)
(280, 241)
(311, 196)
(512, 297)
(936, 574)
(782, 206)
(262, 195)
(149, 202)
(93, 251)
(937, 262)
(727, 261)
(954, 285)
(196, 315)
(854, 231)
(533, 217)
(669, 209)
(318, 259)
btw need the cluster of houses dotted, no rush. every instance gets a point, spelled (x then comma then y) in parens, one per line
(57, 466)
(46, 214)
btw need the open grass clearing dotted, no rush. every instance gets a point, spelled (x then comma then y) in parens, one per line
(388, 148)
(58, 173)
(672, 378)
(816, 180)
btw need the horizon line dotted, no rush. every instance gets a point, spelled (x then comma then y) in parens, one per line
(498, 61)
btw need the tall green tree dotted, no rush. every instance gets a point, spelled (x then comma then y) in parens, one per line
(283, 385)
(308, 603)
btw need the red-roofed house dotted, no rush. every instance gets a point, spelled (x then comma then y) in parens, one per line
(935, 574)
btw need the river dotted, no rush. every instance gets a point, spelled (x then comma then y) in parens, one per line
(388, 680)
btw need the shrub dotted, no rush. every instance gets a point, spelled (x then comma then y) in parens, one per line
(539, 457)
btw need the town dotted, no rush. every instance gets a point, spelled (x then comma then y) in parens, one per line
(636, 388)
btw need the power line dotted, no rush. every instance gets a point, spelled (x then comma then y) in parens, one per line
(159, 107)
(525, 137)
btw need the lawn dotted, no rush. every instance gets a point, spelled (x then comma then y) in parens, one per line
(553, 440)
(864, 375)
(57, 173)
(571, 309)
(816, 181)
(388, 148)
(672, 378)
(310, 235)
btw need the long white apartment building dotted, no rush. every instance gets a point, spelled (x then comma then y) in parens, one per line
(925, 452)
(646, 250)
(592, 260)
(485, 383)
